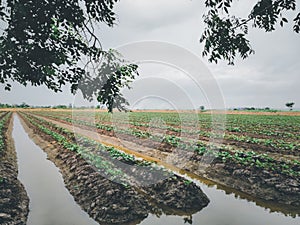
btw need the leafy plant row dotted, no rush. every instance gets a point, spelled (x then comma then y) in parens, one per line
(239, 123)
(175, 141)
(3, 113)
(274, 143)
(247, 158)
(3, 123)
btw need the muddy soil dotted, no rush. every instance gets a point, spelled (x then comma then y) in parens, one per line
(105, 201)
(267, 186)
(14, 202)
(108, 202)
(262, 184)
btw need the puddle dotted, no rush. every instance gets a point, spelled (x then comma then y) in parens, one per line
(50, 201)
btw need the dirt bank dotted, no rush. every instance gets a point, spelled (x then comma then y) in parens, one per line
(108, 202)
(13, 198)
(105, 201)
(259, 183)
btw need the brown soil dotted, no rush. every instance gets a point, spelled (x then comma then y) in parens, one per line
(262, 184)
(13, 197)
(109, 202)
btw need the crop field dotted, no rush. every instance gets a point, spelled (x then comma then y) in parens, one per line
(259, 135)
(142, 162)
(252, 148)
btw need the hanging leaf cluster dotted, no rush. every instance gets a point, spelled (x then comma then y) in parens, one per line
(225, 35)
(51, 42)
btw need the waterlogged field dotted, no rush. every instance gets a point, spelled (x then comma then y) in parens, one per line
(254, 135)
(125, 167)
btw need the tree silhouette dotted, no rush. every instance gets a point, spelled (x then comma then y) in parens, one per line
(53, 43)
(290, 105)
(202, 107)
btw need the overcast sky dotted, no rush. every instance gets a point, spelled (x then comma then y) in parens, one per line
(270, 77)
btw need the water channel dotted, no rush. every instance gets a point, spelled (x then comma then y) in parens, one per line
(50, 202)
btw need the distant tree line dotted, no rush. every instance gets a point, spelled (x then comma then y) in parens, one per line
(62, 106)
(255, 109)
(22, 105)
(25, 105)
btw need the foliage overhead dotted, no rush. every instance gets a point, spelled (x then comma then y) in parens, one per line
(225, 35)
(53, 43)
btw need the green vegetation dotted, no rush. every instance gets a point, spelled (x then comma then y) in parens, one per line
(225, 34)
(3, 122)
(255, 137)
(277, 133)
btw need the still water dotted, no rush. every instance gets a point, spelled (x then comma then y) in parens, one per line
(51, 203)
(227, 209)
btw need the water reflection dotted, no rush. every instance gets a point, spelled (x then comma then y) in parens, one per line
(50, 201)
(227, 207)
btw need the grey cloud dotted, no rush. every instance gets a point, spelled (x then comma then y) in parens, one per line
(147, 15)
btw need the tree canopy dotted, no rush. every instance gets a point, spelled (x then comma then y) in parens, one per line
(290, 105)
(53, 43)
(225, 34)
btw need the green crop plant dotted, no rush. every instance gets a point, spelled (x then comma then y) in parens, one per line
(187, 182)
(234, 129)
(172, 140)
(3, 123)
